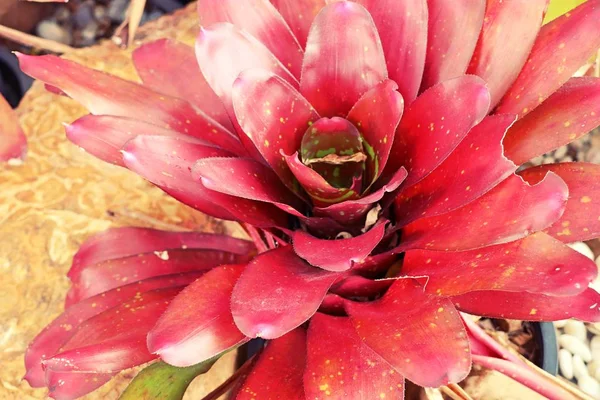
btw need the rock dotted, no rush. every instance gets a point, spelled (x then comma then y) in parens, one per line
(589, 385)
(116, 10)
(560, 324)
(560, 152)
(548, 160)
(579, 368)
(583, 249)
(565, 363)
(594, 369)
(83, 15)
(575, 346)
(577, 329)
(89, 33)
(50, 30)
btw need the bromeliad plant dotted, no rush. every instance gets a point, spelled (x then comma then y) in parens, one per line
(371, 150)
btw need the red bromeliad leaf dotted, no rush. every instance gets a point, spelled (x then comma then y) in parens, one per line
(168, 162)
(343, 60)
(278, 371)
(581, 219)
(125, 242)
(104, 136)
(357, 286)
(524, 209)
(59, 331)
(561, 47)
(260, 19)
(509, 30)
(299, 15)
(402, 27)
(477, 162)
(420, 335)
(352, 211)
(223, 52)
(246, 179)
(338, 254)
(105, 344)
(435, 124)
(198, 324)
(13, 143)
(377, 115)
(277, 292)
(320, 191)
(531, 306)
(452, 35)
(100, 277)
(101, 93)
(278, 123)
(566, 115)
(537, 264)
(340, 366)
(170, 67)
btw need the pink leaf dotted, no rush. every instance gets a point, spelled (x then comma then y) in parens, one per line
(435, 124)
(565, 116)
(477, 162)
(451, 38)
(125, 242)
(198, 324)
(343, 60)
(402, 27)
(13, 143)
(277, 292)
(509, 30)
(537, 264)
(60, 330)
(340, 366)
(581, 219)
(377, 115)
(104, 136)
(170, 67)
(260, 19)
(278, 371)
(337, 254)
(299, 15)
(167, 162)
(562, 46)
(105, 94)
(524, 209)
(274, 115)
(531, 306)
(420, 335)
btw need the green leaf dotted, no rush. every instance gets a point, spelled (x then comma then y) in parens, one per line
(161, 381)
(560, 7)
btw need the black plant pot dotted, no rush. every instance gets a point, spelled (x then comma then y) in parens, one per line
(545, 338)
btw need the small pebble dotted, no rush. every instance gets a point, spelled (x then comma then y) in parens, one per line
(560, 152)
(579, 368)
(575, 346)
(589, 385)
(116, 10)
(560, 324)
(577, 329)
(594, 369)
(52, 31)
(565, 363)
(583, 249)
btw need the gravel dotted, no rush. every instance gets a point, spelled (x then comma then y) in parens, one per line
(579, 343)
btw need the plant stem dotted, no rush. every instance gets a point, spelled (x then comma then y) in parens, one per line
(525, 375)
(479, 334)
(240, 373)
(255, 236)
